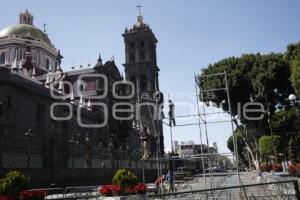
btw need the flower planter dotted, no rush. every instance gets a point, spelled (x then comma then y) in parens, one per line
(130, 197)
(124, 183)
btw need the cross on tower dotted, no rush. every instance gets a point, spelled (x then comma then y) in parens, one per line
(44, 27)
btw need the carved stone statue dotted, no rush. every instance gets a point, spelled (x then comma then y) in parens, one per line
(145, 139)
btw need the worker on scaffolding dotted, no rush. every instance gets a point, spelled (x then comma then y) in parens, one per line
(145, 139)
(171, 114)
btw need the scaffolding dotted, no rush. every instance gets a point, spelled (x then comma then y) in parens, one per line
(202, 122)
(201, 115)
(200, 92)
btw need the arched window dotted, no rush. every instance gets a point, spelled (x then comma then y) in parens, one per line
(132, 45)
(2, 58)
(142, 44)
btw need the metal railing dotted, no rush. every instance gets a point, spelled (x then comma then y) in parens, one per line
(52, 193)
(271, 190)
(81, 192)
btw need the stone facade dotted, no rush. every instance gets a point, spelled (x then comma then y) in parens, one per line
(142, 70)
(60, 149)
(17, 39)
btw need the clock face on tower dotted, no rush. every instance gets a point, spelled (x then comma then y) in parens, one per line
(80, 86)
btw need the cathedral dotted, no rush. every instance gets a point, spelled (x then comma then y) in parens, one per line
(60, 126)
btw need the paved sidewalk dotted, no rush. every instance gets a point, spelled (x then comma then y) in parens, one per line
(246, 178)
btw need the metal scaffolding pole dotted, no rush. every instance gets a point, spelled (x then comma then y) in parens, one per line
(200, 133)
(234, 139)
(206, 137)
(141, 126)
(226, 90)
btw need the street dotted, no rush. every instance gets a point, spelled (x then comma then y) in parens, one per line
(229, 180)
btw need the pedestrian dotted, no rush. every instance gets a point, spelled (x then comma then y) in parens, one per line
(159, 183)
(170, 179)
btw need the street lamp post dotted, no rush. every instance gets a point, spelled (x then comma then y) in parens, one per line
(29, 134)
(72, 142)
(111, 150)
(129, 154)
(88, 150)
(100, 146)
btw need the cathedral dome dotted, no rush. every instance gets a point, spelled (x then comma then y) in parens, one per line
(25, 30)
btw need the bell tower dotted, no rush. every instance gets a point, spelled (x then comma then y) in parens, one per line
(142, 70)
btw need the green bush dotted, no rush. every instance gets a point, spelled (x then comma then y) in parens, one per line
(125, 179)
(269, 146)
(13, 183)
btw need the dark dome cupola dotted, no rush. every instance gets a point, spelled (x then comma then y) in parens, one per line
(26, 18)
(14, 40)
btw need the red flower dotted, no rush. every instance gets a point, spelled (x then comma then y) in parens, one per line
(113, 190)
(33, 195)
(109, 190)
(140, 188)
(4, 198)
(130, 191)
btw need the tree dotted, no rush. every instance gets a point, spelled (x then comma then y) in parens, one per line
(292, 55)
(237, 136)
(253, 75)
(284, 121)
(293, 51)
(291, 150)
(295, 74)
(269, 146)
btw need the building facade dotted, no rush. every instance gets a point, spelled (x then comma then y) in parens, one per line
(24, 37)
(58, 126)
(189, 148)
(142, 70)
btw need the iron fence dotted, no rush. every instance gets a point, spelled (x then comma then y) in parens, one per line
(282, 190)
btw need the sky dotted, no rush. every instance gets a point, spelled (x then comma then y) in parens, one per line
(191, 34)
